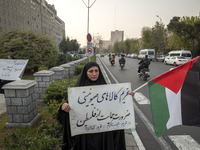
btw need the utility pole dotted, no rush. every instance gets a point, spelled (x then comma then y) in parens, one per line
(88, 7)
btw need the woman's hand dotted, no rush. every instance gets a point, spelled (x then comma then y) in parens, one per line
(131, 93)
(65, 107)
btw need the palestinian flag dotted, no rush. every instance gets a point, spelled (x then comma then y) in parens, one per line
(175, 97)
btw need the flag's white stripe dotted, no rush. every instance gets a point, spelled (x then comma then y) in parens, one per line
(174, 106)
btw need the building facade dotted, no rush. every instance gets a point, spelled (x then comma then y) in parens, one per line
(35, 15)
(103, 44)
(116, 36)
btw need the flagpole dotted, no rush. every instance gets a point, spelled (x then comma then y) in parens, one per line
(140, 87)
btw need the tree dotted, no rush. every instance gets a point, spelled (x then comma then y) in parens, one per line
(146, 37)
(25, 44)
(67, 45)
(159, 37)
(74, 45)
(187, 28)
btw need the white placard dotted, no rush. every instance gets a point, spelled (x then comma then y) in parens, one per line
(12, 69)
(101, 108)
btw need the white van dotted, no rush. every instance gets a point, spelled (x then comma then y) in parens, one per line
(149, 52)
(185, 53)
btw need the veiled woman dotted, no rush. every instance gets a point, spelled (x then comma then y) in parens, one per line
(111, 140)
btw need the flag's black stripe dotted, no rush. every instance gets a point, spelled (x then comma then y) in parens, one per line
(190, 96)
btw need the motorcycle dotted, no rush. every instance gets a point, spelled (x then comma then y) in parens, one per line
(144, 74)
(122, 65)
(112, 62)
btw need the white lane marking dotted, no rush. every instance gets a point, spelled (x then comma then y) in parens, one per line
(137, 139)
(185, 142)
(141, 99)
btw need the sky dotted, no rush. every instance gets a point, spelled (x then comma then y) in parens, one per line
(129, 16)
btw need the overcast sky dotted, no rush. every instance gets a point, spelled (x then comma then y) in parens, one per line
(127, 15)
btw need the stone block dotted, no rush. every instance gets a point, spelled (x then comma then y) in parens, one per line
(22, 93)
(42, 84)
(27, 118)
(16, 101)
(34, 98)
(38, 78)
(27, 100)
(18, 118)
(31, 89)
(8, 102)
(23, 110)
(11, 109)
(10, 93)
(9, 118)
(46, 78)
(30, 107)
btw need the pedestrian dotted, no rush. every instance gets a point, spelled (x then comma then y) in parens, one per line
(111, 140)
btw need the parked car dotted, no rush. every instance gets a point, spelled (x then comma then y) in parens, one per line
(129, 56)
(160, 58)
(175, 60)
(134, 56)
(101, 55)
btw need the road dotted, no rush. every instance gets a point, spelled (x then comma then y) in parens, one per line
(176, 138)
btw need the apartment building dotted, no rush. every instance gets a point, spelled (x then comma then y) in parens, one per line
(103, 44)
(116, 36)
(35, 15)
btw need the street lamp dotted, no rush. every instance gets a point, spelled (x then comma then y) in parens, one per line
(160, 33)
(159, 18)
(88, 6)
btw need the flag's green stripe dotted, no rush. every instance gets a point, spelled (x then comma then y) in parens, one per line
(159, 107)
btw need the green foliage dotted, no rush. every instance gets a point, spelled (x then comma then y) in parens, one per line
(25, 44)
(58, 90)
(46, 137)
(127, 46)
(188, 31)
(67, 45)
(62, 59)
(78, 69)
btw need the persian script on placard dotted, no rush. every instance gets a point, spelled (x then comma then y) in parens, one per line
(101, 108)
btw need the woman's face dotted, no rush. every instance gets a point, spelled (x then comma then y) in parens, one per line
(93, 73)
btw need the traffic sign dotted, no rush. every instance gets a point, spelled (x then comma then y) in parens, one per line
(89, 50)
(89, 37)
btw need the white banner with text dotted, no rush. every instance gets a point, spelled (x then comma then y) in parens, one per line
(101, 108)
(12, 69)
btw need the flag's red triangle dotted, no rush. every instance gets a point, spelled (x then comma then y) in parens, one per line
(174, 78)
